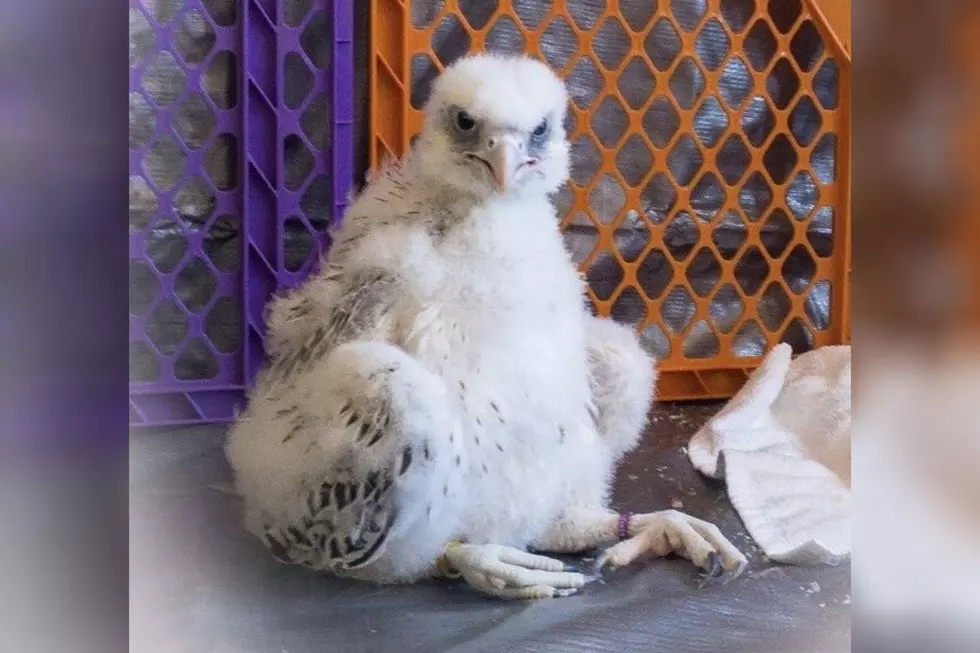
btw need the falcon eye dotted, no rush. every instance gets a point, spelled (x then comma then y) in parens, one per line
(465, 121)
(541, 129)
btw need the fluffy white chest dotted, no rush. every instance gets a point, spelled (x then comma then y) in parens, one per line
(504, 327)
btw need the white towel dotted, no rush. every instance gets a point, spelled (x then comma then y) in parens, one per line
(783, 447)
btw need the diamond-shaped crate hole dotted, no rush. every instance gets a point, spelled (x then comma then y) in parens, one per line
(195, 202)
(662, 44)
(751, 271)
(143, 365)
(220, 80)
(298, 161)
(166, 327)
(316, 202)
(223, 325)
(637, 14)
(607, 199)
(530, 13)
(820, 232)
(749, 342)
(684, 160)
(782, 83)
(803, 195)
(807, 46)
(194, 121)
(784, 13)
(823, 159)
(799, 269)
(142, 121)
(315, 40)
(686, 83)
(423, 13)
(760, 45)
(585, 82)
(655, 342)
(758, 121)
(164, 11)
(629, 308)
(729, 235)
(634, 160)
(477, 12)
(450, 40)
(586, 13)
(194, 38)
(164, 163)
(710, 122)
(315, 121)
(636, 83)
(558, 43)
(658, 198)
(703, 272)
(196, 362)
(777, 233)
(141, 37)
(586, 160)
(733, 160)
(605, 275)
(143, 203)
(817, 305)
(654, 274)
(222, 244)
(580, 237)
(701, 342)
(165, 246)
(735, 83)
(631, 237)
(755, 196)
(677, 309)
(707, 197)
(298, 80)
(712, 44)
(143, 287)
(195, 285)
(505, 36)
(737, 13)
(164, 79)
(611, 44)
(726, 308)
(773, 307)
(688, 13)
(224, 12)
(298, 244)
(661, 121)
(825, 84)
(805, 121)
(780, 159)
(610, 122)
(798, 336)
(221, 162)
(294, 11)
(681, 236)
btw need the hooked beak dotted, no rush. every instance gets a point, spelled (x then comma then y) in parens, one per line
(504, 159)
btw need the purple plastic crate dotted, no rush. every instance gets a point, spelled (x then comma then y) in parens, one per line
(241, 145)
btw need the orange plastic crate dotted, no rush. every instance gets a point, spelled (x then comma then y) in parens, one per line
(682, 112)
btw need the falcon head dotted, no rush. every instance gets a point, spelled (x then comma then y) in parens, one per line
(494, 124)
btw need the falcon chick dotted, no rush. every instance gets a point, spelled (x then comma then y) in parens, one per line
(439, 396)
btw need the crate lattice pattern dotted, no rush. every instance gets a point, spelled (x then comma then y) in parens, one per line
(239, 161)
(708, 201)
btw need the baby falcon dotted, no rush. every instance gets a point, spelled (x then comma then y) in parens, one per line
(440, 388)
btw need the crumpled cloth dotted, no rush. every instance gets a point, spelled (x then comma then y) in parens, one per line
(783, 447)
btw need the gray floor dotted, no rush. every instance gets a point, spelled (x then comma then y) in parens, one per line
(200, 584)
